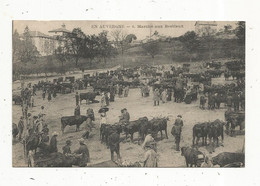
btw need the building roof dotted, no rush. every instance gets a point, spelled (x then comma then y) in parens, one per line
(209, 23)
(62, 29)
(38, 34)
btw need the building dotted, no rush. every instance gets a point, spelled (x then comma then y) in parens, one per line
(202, 25)
(47, 44)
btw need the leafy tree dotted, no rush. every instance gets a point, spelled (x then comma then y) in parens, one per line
(152, 48)
(106, 50)
(207, 38)
(16, 44)
(190, 42)
(27, 50)
(75, 44)
(240, 32)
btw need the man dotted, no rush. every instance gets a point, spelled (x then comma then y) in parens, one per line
(125, 116)
(178, 121)
(176, 132)
(53, 143)
(88, 128)
(229, 102)
(77, 98)
(77, 112)
(164, 96)
(20, 128)
(66, 148)
(156, 97)
(83, 150)
(202, 102)
(29, 122)
(113, 143)
(151, 158)
(32, 101)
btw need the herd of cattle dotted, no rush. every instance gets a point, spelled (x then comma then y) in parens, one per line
(174, 81)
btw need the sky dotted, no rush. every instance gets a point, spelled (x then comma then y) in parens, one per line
(139, 28)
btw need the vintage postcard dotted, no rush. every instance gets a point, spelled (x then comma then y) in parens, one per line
(128, 94)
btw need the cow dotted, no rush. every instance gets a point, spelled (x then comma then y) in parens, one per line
(17, 100)
(106, 130)
(225, 158)
(159, 124)
(192, 156)
(135, 126)
(215, 129)
(15, 131)
(71, 120)
(89, 96)
(200, 130)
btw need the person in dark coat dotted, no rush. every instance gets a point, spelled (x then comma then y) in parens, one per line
(77, 112)
(120, 91)
(49, 95)
(43, 94)
(77, 98)
(178, 121)
(113, 143)
(66, 148)
(53, 143)
(176, 132)
(83, 150)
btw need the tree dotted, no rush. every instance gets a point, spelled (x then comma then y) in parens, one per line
(240, 32)
(106, 50)
(207, 37)
(16, 44)
(190, 42)
(75, 44)
(152, 48)
(27, 50)
(61, 55)
(91, 47)
(122, 40)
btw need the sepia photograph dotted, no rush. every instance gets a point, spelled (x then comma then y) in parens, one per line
(128, 94)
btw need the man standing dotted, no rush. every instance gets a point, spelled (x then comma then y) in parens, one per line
(77, 98)
(113, 143)
(20, 128)
(156, 97)
(77, 112)
(229, 102)
(83, 150)
(53, 143)
(178, 121)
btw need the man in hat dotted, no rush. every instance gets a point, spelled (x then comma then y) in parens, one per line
(66, 148)
(151, 157)
(178, 121)
(125, 116)
(83, 150)
(53, 143)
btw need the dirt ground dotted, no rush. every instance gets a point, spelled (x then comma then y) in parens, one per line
(63, 105)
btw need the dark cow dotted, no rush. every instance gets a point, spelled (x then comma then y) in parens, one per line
(159, 124)
(200, 130)
(135, 126)
(17, 100)
(215, 129)
(106, 130)
(235, 119)
(71, 120)
(226, 158)
(89, 96)
(192, 156)
(15, 131)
